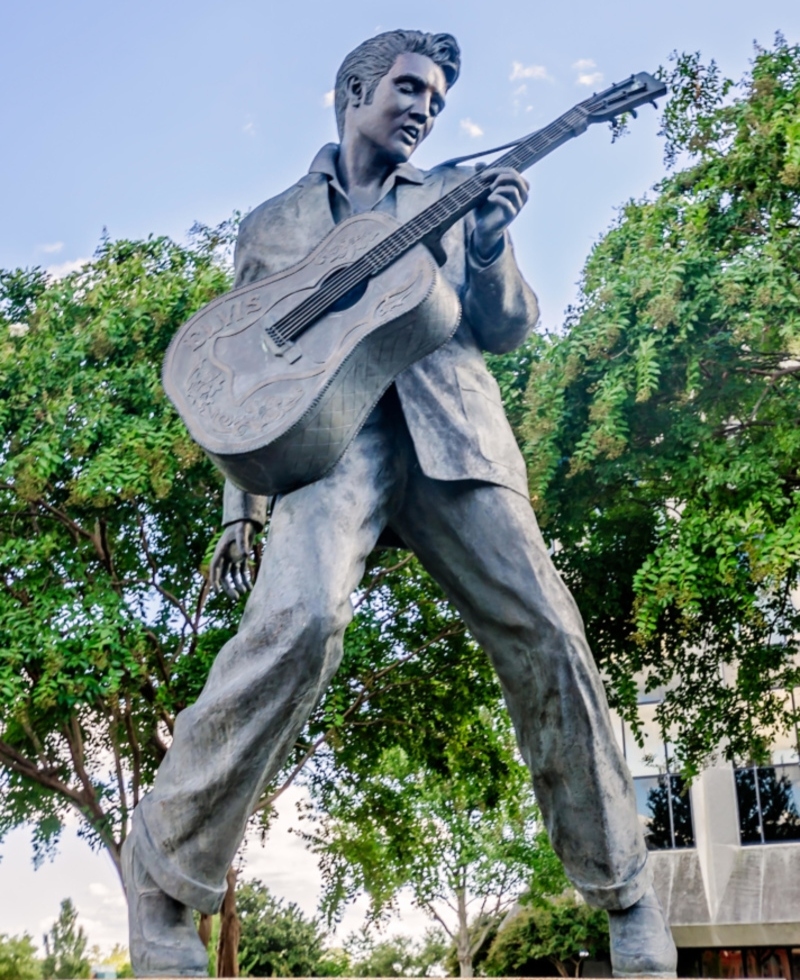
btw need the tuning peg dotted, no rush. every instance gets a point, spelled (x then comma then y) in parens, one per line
(634, 113)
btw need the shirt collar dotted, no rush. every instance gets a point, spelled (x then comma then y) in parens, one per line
(325, 163)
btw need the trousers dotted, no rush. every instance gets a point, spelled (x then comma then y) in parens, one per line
(482, 544)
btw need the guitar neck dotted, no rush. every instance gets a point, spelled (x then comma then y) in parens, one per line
(436, 219)
(429, 225)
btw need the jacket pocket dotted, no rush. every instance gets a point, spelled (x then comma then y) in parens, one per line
(483, 407)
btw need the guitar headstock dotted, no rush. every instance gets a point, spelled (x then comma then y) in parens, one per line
(623, 97)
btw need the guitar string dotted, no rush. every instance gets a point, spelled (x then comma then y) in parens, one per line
(411, 233)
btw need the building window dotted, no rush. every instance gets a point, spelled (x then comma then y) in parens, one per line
(769, 796)
(769, 803)
(665, 809)
(663, 800)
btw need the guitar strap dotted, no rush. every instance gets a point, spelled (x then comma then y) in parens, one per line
(454, 161)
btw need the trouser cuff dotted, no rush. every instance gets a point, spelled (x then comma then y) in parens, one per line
(616, 898)
(168, 876)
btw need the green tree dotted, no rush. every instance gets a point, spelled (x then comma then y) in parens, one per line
(543, 936)
(662, 428)
(106, 509)
(277, 939)
(18, 959)
(397, 956)
(65, 947)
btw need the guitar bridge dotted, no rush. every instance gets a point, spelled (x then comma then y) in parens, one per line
(288, 349)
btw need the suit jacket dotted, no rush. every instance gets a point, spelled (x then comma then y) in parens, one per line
(450, 401)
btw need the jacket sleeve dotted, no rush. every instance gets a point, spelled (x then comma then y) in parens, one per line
(240, 506)
(500, 306)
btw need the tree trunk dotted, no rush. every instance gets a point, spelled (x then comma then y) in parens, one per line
(204, 928)
(229, 931)
(463, 940)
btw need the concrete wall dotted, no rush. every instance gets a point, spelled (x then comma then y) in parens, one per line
(720, 893)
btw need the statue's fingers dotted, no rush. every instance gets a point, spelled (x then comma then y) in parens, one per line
(228, 585)
(236, 576)
(510, 193)
(246, 577)
(507, 204)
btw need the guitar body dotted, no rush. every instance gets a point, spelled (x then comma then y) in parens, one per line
(275, 417)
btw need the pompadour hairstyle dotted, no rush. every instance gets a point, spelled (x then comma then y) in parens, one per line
(372, 59)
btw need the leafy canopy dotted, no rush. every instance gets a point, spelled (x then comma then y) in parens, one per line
(544, 936)
(662, 428)
(106, 509)
(18, 958)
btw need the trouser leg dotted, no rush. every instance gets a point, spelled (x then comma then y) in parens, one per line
(483, 545)
(267, 679)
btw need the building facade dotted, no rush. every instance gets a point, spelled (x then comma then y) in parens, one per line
(726, 854)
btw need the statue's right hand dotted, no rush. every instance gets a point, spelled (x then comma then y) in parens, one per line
(228, 570)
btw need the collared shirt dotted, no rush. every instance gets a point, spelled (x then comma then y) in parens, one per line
(325, 163)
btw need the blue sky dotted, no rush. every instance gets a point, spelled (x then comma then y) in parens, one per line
(145, 117)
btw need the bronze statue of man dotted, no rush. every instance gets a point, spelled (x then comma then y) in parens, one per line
(437, 468)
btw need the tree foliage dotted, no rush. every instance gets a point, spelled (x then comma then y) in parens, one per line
(65, 947)
(106, 509)
(396, 956)
(663, 432)
(277, 939)
(18, 958)
(544, 936)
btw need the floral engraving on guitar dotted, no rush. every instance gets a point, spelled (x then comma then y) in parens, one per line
(249, 423)
(347, 247)
(393, 301)
(204, 384)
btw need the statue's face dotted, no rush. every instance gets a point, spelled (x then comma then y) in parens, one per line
(403, 108)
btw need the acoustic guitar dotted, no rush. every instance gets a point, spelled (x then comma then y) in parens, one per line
(274, 379)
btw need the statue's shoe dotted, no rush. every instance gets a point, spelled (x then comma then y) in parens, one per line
(163, 940)
(641, 942)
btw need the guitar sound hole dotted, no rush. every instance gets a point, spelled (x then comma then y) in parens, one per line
(350, 298)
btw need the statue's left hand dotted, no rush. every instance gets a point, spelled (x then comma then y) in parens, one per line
(507, 197)
(228, 570)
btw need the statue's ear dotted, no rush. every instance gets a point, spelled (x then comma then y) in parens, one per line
(355, 91)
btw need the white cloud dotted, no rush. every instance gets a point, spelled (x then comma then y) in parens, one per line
(470, 128)
(584, 64)
(64, 268)
(52, 247)
(249, 128)
(536, 72)
(589, 78)
(327, 99)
